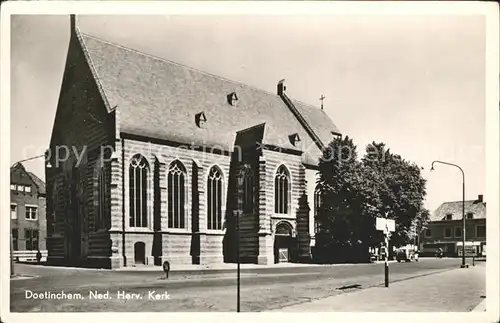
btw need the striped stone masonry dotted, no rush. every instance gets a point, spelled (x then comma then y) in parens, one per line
(88, 118)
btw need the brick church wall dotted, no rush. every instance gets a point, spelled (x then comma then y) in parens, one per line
(186, 246)
(297, 216)
(82, 125)
(195, 243)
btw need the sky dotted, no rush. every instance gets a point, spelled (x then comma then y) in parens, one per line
(415, 82)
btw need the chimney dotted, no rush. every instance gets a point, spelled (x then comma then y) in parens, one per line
(480, 198)
(281, 87)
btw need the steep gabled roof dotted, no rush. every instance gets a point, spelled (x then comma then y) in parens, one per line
(319, 120)
(455, 209)
(159, 99)
(30, 177)
(38, 182)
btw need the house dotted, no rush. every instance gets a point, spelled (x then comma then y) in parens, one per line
(27, 214)
(444, 229)
(154, 161)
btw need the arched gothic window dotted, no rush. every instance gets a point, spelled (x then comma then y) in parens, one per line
(176, 195)
(214, 197)
(101, 198)
(247, 182)
(51, 225)
(138, 190)
(283, 229)
(281, 190)
(317, 205)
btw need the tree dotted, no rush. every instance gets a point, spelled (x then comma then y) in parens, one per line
(354, 193)
(349, 197)
(402, 190)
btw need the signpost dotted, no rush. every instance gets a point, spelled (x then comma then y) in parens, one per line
(387, 226)
(238, 213)
(238, 259)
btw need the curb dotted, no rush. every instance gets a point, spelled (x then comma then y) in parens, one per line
(481, 307)
(383, 261)
(22, 276)
(200, 269)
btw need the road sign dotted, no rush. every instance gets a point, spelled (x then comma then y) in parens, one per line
(384, 224)
(470, 251)
(388, 226)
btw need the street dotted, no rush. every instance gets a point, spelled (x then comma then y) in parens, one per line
(262, 289)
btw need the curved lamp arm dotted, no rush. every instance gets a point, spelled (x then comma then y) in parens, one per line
(463, 206)
(23, 160)
(450, 164)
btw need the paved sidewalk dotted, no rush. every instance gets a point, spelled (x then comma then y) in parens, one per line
(456, 290)
(195, 268)
(31, 269)
(223, 266)
(232, 266)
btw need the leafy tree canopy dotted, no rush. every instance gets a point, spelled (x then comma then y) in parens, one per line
(354, 192)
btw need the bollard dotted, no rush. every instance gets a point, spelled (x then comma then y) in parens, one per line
(386, 274)
(166, 268)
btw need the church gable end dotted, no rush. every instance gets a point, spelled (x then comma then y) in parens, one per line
(81, 127)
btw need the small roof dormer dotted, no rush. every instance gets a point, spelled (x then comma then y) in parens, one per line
(200, 119)
(232, 98)
(294, 138)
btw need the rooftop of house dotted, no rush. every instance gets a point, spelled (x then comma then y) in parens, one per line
(35, 179)
(454, 209)
(161, 99)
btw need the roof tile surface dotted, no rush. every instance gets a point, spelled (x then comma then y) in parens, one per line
(455, 209)
(159, 99)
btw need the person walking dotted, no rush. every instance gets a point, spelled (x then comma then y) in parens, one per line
(439, 253)
(38, 257)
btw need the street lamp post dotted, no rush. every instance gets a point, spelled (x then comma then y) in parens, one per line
(11, 255)
(238, 260)
(238, 213)
(463, 205)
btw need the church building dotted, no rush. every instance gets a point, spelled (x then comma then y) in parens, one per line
(154, 161)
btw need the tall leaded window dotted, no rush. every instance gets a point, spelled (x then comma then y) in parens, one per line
(281, 190)
(51, 226)
(138, 190)
(214, 196)
(177, 195)
(247, 182)
(101, 198)
(317, 205)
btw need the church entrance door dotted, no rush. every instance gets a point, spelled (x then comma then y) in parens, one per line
(140, 253)
(283, 242)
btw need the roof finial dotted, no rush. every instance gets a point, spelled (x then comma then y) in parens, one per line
(72, 23)
(321, 99)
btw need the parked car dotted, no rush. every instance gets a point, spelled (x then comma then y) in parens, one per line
(404, 255)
